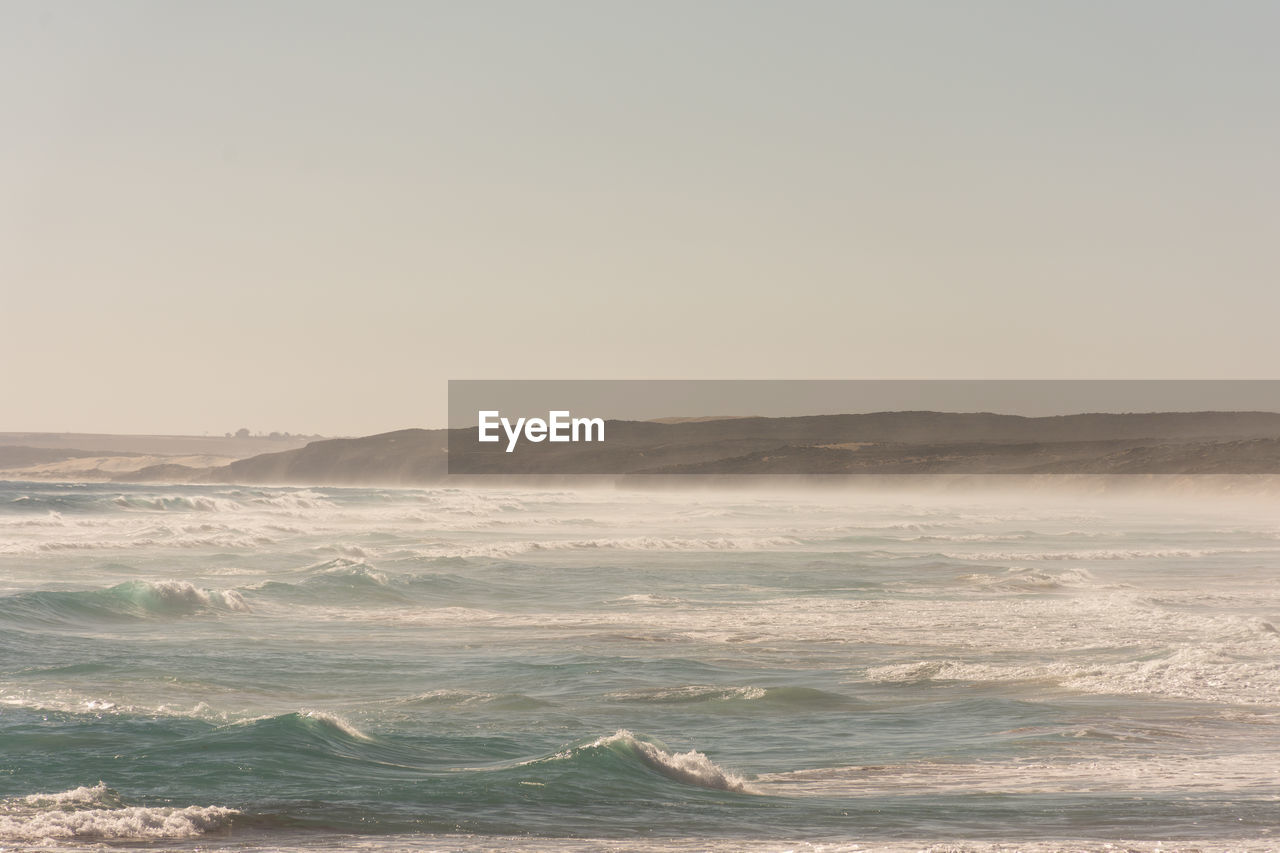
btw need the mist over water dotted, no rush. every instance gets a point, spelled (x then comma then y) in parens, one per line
(231, 667)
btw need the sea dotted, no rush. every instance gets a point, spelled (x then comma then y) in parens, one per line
(223, 668)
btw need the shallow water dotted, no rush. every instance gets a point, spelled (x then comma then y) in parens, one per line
(232, 667)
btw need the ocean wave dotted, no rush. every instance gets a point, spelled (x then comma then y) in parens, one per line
(633, 543)
(1100, 619)
(328, 744)
(176, 503)
(343, 550)
(98, 813)
(1025, 579)
(692, 693)
(272, 501)
(69, 702)
(302, 499)
(349, 582)
(646, 598)
(460, 698)
(136, 822)
(98, 796)
(1241, 673)
(970, 537)
(242, 543)
(795, 697)
(524, 522)
(689, 768)
(333, 721)
(304, 724)
(45, 503)
(129, 600)
(1101, 554)
(343, 573)
(1166, 773)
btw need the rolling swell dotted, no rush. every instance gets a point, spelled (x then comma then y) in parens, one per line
(340, 581)
(614, 784)
(325, 773)
(313, 750)
(328, 746)
(128, 601)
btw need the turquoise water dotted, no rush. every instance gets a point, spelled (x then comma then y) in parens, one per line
(244, 667)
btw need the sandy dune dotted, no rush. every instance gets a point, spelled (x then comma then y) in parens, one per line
(106, 467)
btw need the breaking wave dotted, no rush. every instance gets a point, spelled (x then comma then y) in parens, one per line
(127, 601)
(99, 813)
(689, 768)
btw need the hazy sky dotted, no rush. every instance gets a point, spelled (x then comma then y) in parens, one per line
(308, 216)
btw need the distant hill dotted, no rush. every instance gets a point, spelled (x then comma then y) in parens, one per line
(97, 457)
(404, 457)
(21, 457)
(879, 443)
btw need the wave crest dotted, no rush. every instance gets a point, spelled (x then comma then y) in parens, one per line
(689, 768)
(129, 600)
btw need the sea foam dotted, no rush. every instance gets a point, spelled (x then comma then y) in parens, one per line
(98, 813)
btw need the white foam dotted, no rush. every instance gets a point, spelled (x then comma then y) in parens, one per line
(96, 813)
(70, 702)
(185, 593)
(1210, 673)
(691, 768)
(341, 724)
(1100, 554)
(124, 823)
(1163, 773)
(630, 543)
(449, 697)
(165, 539)
(98, 795)
(177, 503)
(688, 693)
(969, 537)
(646, 598)
(342, 549)
(1029, 579)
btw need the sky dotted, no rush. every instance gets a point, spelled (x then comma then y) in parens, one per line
(309, 216)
